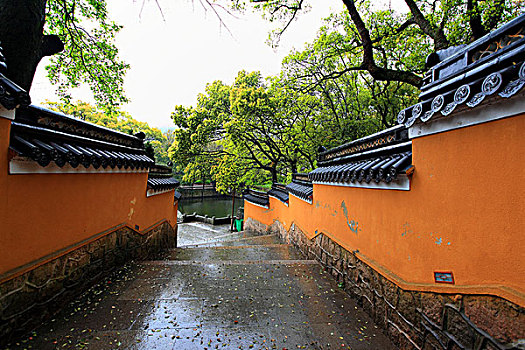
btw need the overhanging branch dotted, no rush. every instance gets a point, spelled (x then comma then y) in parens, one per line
(368, 62)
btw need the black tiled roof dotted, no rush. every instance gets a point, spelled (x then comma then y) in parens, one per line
(160, 170)
(44, 145)
(378, 168)
(492, 66)
(389, 137)
(256, 197)
(279, 191)
(383, 164)
(65, 141)
(157, 183)
(301, 187)
(56, 121)
(11, 95)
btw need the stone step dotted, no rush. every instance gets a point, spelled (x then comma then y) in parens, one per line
(197, 233)
(236, 253)
(240, 240)
(264, 305)
(166, 263)
(239, 292)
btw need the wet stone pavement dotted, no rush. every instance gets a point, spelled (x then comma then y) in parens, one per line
(217, 291)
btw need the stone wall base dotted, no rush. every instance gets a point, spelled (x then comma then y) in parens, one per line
(188, 193)
(33, 297)
(412, 319)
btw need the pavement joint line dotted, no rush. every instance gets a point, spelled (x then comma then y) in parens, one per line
(225, 241)
(204, 227)
(225, 235)
(229, 262)
(270, 245)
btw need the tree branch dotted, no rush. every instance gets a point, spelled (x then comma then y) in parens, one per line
(475, 19)
(368, 62)
(440, 39)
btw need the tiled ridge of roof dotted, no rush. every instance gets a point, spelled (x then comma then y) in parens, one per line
(44, 146)
(160, 179)
(388, 137)
(504, 83)
(256, 197)
(162, 183)
(382, 168)
(279, 191)
(380, 165)
(301, 187)
(45, 136)
(491, 67)
(48, 119)
(160, 170)
(11, 95)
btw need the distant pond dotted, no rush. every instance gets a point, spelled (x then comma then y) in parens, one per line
(218, 207)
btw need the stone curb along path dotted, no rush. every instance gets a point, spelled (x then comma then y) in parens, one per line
(240, 293)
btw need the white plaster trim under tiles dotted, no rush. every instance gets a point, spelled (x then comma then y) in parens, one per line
(7, 113)
(402, 183)
(22, 165)
(150, 193)
(304, 200)
(258, 205)
(278, 200)
(502, 108)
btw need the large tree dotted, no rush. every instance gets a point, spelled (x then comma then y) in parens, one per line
(444, 23)
(263, 130)
(33, 29)
(354, 103)
(79, 31)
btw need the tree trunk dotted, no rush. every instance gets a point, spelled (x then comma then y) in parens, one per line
(233, 209)
(274, 174)
(21, 34)
(368, 60)
(436, 33)
(293, 165)
(203, 182)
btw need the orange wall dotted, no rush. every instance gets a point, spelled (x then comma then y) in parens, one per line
(464, 213)
(44, 213)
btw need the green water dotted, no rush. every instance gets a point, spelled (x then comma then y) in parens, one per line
(209, 206)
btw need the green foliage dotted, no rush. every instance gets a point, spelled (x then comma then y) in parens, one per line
(156, 142)
(352, 103)
(232, 172)
(195, 145)
(249, 133)
(455, 17)
(399, 41)
(255, 131)
(90, 55)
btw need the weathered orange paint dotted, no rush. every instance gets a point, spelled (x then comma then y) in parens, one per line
(464, 213)
(44, 213)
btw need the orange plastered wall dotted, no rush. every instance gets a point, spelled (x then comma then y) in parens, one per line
(46, 213)
(463, 214)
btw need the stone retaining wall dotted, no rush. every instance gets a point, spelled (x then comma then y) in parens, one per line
(212, 220)
(412, 319)
(196, 192)
(33, 297)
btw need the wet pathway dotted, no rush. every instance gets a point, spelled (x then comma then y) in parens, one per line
(218, 291)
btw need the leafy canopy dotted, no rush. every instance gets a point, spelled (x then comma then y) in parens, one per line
(362, 68)
(90, 55)
(438, 24)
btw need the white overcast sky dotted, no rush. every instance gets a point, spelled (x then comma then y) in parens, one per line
(173, 58)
